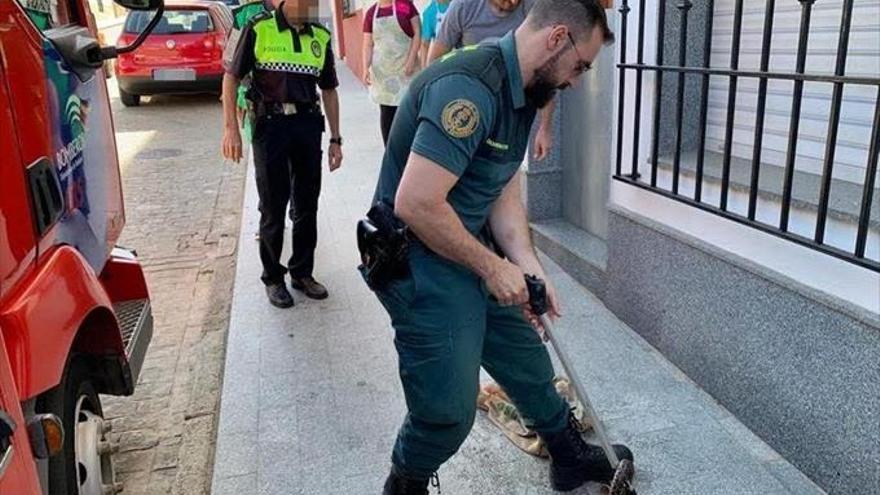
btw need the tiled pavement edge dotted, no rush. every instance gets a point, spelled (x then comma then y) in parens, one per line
(183, 207)
(311, 400)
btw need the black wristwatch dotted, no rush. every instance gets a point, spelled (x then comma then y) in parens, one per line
(336, 141)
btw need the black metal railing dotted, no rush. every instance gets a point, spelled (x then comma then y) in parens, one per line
(699, 77)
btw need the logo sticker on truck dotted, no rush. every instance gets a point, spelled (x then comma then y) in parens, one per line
(82, 149)
(70, 157)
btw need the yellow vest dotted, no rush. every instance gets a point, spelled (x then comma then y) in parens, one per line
(274, 49)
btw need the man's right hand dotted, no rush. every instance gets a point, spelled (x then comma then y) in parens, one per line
(232, 144)
(367, 79)
(507, 283)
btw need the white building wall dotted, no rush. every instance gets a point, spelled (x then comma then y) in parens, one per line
(811, 268)
(857, 111)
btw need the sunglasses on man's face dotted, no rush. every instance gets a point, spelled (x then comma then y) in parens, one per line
(583, 66)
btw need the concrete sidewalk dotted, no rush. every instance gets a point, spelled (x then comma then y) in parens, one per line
(311, 399)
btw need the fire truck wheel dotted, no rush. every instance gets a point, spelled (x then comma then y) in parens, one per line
(128, 99)
(85, 466)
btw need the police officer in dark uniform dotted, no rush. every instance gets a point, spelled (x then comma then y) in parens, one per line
(451, 171)
(290, 58)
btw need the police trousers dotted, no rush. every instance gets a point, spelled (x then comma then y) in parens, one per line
(287, 165)
(446, 326)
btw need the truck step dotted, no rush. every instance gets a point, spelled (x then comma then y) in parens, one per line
(131, 315)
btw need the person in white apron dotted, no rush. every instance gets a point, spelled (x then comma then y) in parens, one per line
(391, 57)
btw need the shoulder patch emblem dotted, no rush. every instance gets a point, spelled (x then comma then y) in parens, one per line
(460, 118)
(316, 49)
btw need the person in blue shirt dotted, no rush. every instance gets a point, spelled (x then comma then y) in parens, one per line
(432, 17)
(452, 170)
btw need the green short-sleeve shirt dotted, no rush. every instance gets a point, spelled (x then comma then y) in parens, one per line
(455, 117)
(468, 113)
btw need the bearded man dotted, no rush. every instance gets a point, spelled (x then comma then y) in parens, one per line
(451, 172)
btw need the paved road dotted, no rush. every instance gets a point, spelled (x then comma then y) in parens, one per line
(182, 208)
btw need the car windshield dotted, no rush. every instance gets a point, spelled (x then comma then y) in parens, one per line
(172, 22)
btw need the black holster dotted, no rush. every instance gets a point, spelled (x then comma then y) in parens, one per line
(383, 242)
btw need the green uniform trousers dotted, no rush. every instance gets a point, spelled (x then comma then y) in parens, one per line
(447, 325)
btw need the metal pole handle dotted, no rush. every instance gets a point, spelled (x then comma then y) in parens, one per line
(539, 304)
(582, 394)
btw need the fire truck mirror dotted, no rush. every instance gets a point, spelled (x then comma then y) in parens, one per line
(158, 6)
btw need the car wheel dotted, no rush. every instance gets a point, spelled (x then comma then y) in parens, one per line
(85, 466)
(129, 99)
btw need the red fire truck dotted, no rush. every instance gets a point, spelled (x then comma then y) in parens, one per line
(75, 317)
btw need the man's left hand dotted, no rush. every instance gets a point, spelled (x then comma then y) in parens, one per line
(334, 156)
(543, 142)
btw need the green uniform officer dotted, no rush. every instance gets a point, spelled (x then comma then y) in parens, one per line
(288, 56)
(450, 171)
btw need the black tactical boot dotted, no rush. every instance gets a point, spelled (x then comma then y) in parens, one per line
(279, 296)
(396, 484)
(310, 287)
(573, 461)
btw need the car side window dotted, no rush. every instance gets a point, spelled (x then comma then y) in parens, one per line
(51, 14)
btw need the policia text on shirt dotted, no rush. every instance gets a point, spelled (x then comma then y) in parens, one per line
(289, 57)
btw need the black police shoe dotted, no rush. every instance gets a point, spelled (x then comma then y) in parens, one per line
(279, 296)
(573, 461)
(398, 485)
(310, 287)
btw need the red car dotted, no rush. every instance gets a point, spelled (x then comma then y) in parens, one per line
(183, 54)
